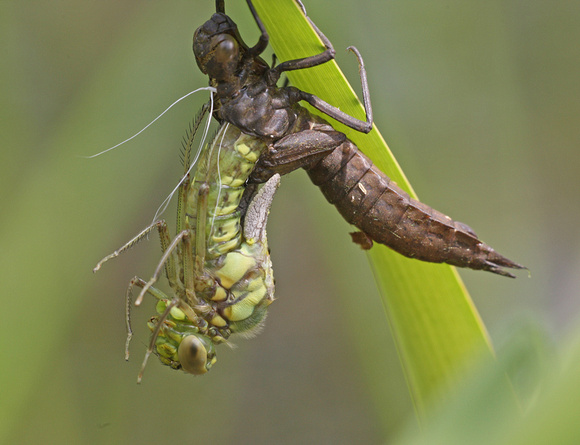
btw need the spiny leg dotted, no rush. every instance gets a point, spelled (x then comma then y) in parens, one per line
(174, 302)
(312, 61)
(336, 113)
(306, 62)
(262, 44)
(136, 281)
(200, 242)
(202, 203)
(168, 259)
(364, 85)
(139, 282)
(161, 227)
(167, 256)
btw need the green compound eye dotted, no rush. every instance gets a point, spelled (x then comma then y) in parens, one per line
(192, 355)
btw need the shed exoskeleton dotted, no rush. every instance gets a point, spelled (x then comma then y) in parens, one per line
(218, 264)
(247, 96)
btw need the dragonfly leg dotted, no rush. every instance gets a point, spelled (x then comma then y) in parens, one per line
(174, 302)
(297, 150)
(200, 232)
(165, 239)
(167, 255)
(306, 62)
(262, 44)
(136, 282)
(159, 295)
(309, 62)
(336, 113)
(161, 227)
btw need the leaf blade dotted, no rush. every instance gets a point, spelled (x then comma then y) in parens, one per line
(432, 317)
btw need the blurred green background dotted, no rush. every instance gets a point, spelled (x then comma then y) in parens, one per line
(480, 103)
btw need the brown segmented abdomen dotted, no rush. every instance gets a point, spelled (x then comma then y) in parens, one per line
(368, 199)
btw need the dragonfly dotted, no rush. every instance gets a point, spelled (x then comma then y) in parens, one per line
(218, 264)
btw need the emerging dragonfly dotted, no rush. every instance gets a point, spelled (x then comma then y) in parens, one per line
(218, 264)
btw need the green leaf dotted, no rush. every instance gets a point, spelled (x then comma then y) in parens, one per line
(480, 412)
(435, 324)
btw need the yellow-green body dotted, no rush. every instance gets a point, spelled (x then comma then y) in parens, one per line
(240, 269)
(224, 280)
(217, 264)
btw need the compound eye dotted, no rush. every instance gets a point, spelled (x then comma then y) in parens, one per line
(193, 355)
(223, 58)
(226, 49)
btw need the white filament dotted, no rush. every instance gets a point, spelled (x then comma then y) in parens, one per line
(167, 200)
(211, 89)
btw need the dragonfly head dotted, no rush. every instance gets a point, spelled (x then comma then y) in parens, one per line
(195, 354)
(181, 342)
(217, 46)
